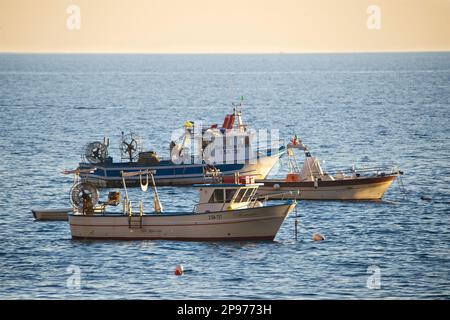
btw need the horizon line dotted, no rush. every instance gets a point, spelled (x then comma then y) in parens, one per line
(226, 52)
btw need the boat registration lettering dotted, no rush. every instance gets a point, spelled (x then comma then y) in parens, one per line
(214, 217)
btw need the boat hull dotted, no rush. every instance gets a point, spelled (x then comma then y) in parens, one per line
(260, 223)
(169, 174)
(51, 214)
(365, 188)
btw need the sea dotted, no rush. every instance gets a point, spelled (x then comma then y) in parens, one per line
(363, 109)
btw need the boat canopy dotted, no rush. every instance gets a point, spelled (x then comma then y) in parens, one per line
(219, 197)
(232, 195)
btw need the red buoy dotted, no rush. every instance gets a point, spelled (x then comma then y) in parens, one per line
(179, 270)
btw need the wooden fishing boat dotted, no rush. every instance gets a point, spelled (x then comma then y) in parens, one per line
(358, 188)
(312, 183)
(225, 212)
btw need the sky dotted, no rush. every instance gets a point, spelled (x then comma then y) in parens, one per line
(224, 26)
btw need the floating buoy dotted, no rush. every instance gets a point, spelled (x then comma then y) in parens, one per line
(318, 237)
(179, 270)
(276, 186)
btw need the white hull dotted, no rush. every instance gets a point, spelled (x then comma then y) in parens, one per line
(349, 189)
(260, 223)
(51, 214)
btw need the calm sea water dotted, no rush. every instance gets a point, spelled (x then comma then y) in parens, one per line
(349, 108)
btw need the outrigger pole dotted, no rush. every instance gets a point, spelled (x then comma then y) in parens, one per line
(76, 172)
(157, 202)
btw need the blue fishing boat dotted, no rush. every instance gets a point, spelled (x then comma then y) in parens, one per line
(198, 151)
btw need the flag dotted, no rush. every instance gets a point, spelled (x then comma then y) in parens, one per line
(295, 140)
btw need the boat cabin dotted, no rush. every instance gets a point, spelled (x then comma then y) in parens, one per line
(222, 197)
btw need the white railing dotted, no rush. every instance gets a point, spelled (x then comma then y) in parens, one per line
(375, 170)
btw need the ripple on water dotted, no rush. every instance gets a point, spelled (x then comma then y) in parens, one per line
(347, 108)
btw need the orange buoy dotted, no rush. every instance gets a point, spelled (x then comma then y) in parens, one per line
(179, 270)
(318, 237)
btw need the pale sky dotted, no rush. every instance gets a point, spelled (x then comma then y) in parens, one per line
(215, 26)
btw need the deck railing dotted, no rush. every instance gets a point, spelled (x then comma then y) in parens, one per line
(375, 170)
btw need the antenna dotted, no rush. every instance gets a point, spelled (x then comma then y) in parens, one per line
(238, 113)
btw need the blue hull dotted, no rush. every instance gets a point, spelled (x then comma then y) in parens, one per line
(168, 173)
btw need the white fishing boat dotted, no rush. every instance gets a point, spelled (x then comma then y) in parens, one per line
(225, 212)
(312, 183)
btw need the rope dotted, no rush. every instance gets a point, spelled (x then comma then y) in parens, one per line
(401, 186)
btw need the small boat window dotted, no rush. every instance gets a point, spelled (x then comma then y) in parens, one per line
(229, 194)
(240, 195)
(248, 195)
(217, 196)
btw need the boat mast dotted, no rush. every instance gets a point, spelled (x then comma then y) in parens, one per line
(308, 155)
(292, 161)
(238, 113)
(125, 200)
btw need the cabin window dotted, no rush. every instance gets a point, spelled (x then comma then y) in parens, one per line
(229, 194)
(240, 195)
(217, 196)
(248, 195)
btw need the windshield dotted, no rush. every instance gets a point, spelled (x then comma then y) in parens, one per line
(217, 196)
